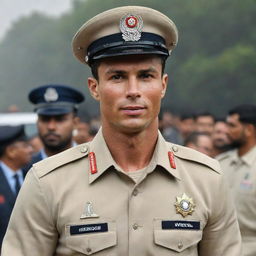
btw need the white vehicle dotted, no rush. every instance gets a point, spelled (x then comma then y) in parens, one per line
(28, 119)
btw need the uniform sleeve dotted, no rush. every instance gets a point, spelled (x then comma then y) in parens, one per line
(221, 235)
(31, 229)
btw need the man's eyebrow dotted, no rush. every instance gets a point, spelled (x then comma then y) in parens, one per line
(115, 71)
(118, 71)
(148, 70)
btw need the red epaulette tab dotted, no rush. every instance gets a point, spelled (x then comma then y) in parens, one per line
(93, 164)
(171, 159)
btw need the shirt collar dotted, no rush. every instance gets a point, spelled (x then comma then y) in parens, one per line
(9, 173)
(104, 159)
(250, 157)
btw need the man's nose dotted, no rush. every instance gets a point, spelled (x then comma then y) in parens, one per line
(133, 88)
(51, 125)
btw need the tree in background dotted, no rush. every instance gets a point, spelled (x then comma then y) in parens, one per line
(213, 68)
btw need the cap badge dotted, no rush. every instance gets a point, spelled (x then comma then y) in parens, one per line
(88, 212)
(51, 95)
(184, 205)
(131, 27)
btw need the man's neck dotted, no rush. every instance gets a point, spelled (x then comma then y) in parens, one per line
(131, 151)
(50, 152)
(10, 163)
(246, 147)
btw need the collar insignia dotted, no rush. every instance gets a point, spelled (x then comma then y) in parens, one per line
(184, 205)
(88, 212)
(51, 95)
(131, 27)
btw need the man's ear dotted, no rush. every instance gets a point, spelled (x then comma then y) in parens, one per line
(250, 130)
(93, 86)
(76, 121)
(10, 151)
(164, 84)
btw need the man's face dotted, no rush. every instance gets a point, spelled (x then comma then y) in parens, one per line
(203, 145)
(205, 124)
(220, 136)
(56, 131)
(186, 126)
(130, 90)
(21, 152)
(236, 131)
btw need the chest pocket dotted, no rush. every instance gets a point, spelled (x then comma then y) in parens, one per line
(89, 238)
(177, 240)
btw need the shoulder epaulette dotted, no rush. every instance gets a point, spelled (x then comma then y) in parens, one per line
(51, 163)
(195, 156)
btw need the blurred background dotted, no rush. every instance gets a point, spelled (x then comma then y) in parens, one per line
(213, 67)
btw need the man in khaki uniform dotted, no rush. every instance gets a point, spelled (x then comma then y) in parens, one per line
(240, 166)
(128, 192)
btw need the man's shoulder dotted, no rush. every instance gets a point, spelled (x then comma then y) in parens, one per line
(194, 156)
(225, 156)
(50, 164)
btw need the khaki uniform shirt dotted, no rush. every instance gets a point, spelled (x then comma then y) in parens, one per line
(241, 176)
(67, 208)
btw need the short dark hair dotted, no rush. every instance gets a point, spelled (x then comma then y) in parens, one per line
(187, 115)
(246, 112)
(204, 113)
(95, 66)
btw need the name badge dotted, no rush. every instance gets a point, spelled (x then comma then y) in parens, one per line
(89, 228)
(178, 224)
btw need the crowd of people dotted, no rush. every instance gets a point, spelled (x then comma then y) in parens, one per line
(135, 180)
(201, 131)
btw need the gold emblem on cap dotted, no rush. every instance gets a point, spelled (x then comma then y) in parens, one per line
(89, 212)
(51, 95)
(184, 205)
(131, 26)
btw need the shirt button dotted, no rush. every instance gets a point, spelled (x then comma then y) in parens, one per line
(83, 149)
(180, 245)
(175, 148)
(89, 250)
(135, 192)
(135, 226)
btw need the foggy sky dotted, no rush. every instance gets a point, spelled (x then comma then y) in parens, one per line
(11, 10)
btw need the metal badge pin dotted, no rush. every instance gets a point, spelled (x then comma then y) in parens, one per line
(89, 212)
(93, 165)
(171, 159)
(51, 95)
(184, 205)
(131, 26)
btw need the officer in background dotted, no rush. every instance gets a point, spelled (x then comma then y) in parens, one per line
(220, 139)
(240, 165)
(204, 122)
(200, 141)
(15, 152)
(128, 191)
(56, 106)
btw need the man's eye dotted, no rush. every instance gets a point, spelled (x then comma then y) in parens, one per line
(116, 77)
(145, 76)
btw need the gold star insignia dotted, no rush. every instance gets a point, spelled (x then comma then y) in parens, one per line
(184, 205)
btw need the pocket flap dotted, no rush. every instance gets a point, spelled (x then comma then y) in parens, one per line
(177, 240)
(91, 243)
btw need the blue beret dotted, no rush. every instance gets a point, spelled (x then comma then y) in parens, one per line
(10, 134)
(55, 99)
